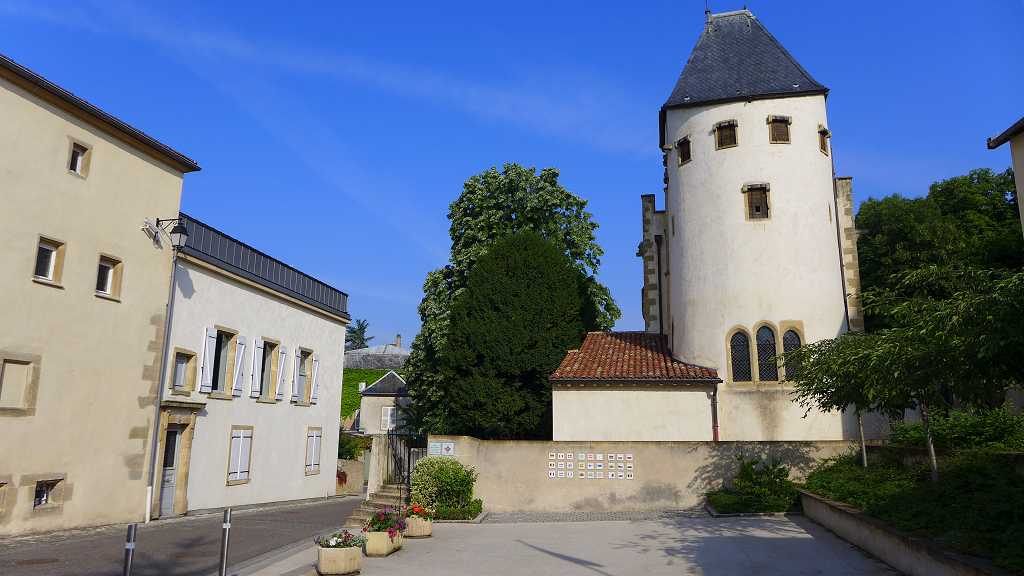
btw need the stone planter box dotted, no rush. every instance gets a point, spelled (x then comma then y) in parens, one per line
(339, 560)
(908, 554)
(416, 527)
(380, 544)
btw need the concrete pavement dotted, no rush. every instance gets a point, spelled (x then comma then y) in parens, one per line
(669, 546)
(188, 546)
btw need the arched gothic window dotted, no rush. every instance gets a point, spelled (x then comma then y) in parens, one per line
(767, 368)
(790, 341)
(739, 356)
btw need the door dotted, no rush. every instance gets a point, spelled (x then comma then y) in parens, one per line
(170, 472)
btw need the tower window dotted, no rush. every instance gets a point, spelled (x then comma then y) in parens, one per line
(823, 136)
(739, 357)
(767, 369)
(790, 342)
(683, 150)
(778, 129)
(757, 201)
(725, 134)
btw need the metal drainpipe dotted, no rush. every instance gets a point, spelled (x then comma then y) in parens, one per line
(714, 413)
(160, 383)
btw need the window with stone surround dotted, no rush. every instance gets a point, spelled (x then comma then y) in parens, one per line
(725, 134)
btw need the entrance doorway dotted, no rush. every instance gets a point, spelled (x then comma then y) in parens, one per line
(169, 480)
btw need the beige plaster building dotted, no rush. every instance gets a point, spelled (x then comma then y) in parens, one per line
(1015, 136)
(380, 404)
(84, 293)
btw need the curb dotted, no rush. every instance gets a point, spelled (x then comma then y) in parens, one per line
(479, 518)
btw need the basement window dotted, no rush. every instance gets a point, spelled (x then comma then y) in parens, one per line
(778, 129)
(46, 493)
(725, 134)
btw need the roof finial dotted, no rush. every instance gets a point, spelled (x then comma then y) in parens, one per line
(707, 13)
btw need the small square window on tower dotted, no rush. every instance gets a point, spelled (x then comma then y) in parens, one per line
(757, 201)
(778, 129)
(683, 150)
(725, 134)
(823, 136)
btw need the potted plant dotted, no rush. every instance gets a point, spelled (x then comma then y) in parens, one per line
(384, 532)
(419, 521)
(339, 553)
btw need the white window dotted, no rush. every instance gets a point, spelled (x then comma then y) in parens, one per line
(180, 369)
(108, 276)
(313, 438)
(387, 418)
(76, 161)
(46, 260)
(240, 455)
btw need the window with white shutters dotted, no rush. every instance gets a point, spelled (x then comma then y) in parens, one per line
(240, 455)
(313, 440)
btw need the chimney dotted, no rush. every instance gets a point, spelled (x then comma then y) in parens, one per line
(362, 386)
(398, 340)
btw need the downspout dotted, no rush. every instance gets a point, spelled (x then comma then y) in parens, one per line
(714, 412)
(160, 384)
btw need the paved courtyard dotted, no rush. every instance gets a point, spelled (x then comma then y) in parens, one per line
(669, 545)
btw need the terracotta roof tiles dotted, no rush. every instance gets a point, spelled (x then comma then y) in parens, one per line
(624, 356)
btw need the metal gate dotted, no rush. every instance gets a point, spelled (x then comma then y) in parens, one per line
(404, 450)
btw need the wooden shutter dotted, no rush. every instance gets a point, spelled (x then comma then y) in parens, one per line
(236, 380)
(317, 434)
(245, 455)
(281, 371)
(255, 379)
(316, 365)
(236, 444)
(209, 350)
(295, 376)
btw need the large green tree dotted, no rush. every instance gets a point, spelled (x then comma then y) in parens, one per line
(355, 337)
(494, 205)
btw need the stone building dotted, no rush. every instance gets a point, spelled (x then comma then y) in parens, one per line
(84, 294)
(380, 357)
(753, 253)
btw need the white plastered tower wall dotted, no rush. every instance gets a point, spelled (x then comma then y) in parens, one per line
(728, 271)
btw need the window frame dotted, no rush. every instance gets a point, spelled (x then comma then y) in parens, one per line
(242, 429)
(718, 134)
(84, 158)
(775, 344)
(54, 494)
(55, 269)
(758, 188)
(306, 392)
(27, 406)
(679, 151)
(750, 355)
(224, 393)
(392, 420)
(312, 466)
(191, 369)
(114, 280)
(786, 121)
(824, 136)
(268, 390)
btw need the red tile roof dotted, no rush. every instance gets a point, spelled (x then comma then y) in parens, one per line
(624, 356)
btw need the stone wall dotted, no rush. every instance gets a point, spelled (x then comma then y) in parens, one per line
(514, 474)
(349, 477)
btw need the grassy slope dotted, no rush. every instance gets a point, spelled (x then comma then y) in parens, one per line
(350, 387)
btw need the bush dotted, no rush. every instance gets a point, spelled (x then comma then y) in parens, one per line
(442, 482)
(351, 447)
(998, 429)
(757, 487)
(976, 507)
(468, 512)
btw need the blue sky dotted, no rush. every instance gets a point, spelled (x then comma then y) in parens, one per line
(333, 136)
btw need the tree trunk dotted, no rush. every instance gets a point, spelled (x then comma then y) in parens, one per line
(863, 444)
(932, 461)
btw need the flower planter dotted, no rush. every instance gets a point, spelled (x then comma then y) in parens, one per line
(380, 544)
(339, 560)
(416, 527)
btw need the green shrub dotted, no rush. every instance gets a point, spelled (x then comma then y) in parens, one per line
(757, 487)
(442, 482)
(352, 447)
(976, 507)
(468, 512)
(998, 429)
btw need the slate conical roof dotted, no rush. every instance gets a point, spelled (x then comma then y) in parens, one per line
(736, 58)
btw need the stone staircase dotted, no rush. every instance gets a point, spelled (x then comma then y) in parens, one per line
(388, 496)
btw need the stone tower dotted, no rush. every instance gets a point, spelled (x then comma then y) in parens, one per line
(754, 252)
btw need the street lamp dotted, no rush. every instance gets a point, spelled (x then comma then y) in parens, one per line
(178, 233)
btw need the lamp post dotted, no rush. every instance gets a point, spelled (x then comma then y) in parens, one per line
(178, 235)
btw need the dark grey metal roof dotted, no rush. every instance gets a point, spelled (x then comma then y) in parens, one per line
(390, 384)
(736, 58)
(1007, 134)
(217, 248)
(185, 163)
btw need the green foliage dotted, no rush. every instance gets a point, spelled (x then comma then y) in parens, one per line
(998, 429)
(352, 447)
(441, 482)
(969, 220)
(467, 512)
(355, 336)
(757, 487)
(494, 205)
(350, 379)
(977, 509)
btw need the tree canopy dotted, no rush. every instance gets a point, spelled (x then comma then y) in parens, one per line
(355, 336)
(495, 205)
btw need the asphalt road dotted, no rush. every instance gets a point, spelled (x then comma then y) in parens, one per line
(187, 546)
